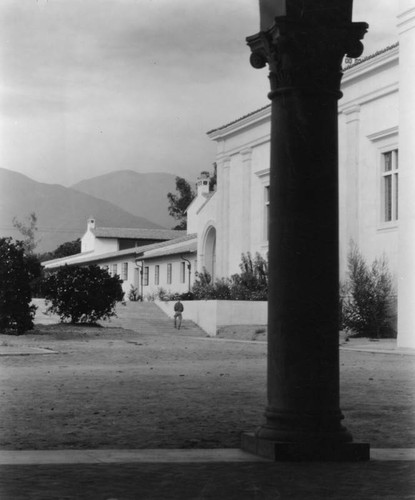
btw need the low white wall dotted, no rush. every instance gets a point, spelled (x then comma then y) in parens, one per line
(241, 312)
(212, 314)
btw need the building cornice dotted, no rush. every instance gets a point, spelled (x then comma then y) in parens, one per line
(372, 63)
(406, 20)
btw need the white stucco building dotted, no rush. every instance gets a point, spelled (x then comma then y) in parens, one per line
(376, 188)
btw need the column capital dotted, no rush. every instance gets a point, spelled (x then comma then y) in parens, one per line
(305, 56)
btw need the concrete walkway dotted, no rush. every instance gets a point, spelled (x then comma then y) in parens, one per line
(121, 476)
(217, 455)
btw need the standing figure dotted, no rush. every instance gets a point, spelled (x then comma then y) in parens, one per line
(178, 309)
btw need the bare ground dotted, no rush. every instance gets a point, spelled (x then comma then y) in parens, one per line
(80, 387)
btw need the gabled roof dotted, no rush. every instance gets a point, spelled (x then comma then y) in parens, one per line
(136, 233)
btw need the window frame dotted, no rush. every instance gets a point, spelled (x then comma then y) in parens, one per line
(124, 271)
(157, 274)
(146, 276)
(182, 272)
(390, 177)
(169, 273)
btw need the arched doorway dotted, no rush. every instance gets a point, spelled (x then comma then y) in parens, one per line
(210, 251)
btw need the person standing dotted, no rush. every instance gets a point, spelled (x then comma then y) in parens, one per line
(178, 310)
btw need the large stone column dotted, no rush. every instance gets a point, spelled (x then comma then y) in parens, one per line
(304, 54)
(406, 265)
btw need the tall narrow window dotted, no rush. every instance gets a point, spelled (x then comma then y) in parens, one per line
(390, 186)
(266, 213)
(169, 273)
(114, 269)
(145, 276)
(182, 272)
(125, 271)
(156, 275)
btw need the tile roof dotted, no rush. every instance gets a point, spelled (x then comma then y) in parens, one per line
(136, 233)
(162, 247)
(371, 56)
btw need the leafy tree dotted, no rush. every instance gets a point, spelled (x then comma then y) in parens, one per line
(178, 203)
(82, 294)
(28, 230)
(16, 313)
(366, 296)
(65, 250)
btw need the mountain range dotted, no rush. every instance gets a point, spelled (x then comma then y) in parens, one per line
(118, 199)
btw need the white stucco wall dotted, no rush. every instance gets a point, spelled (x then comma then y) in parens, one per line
(368, 126)
(406, 270)
(176, 286)
(212, 314)
(243, 165)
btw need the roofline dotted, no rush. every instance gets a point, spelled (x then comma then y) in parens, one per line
(214, 133)
(119, 253)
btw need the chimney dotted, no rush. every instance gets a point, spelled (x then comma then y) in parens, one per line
(202, 183)
(91, 223)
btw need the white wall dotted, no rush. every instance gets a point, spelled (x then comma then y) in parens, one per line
(213, 314)
(176, 286)
(368, 126)
(243, 172)
(406, 271)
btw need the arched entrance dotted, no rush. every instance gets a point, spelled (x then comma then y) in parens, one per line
(210, 251)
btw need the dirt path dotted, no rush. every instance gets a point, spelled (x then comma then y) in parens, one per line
(114, 388)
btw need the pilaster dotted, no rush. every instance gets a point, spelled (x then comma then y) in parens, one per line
(246, 198)
(406, 218)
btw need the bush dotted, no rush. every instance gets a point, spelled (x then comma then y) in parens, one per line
(16, 313)
(133, 294)
(366, 297)
(250, 284)
(82, 294)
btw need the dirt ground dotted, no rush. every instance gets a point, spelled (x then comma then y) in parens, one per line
(79, 387)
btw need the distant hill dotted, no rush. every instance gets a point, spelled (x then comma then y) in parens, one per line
(144, 195)
(62, 212)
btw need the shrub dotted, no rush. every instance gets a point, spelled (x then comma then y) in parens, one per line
(16, 313)
(250, 284)
(82, 294)
(366, 297)
(133, 294)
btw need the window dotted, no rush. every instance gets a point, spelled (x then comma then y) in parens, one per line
(145, 276)
(390, 186)
(156, 275)
(125, 271)
(266, 213)
(114, 269)
(182, 272)
(169, 273)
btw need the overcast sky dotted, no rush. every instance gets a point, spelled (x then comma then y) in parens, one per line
(92, 86)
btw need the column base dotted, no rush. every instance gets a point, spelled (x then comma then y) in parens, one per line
(305, 451)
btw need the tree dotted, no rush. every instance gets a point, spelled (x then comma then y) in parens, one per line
(178, 203)
(82, 294)
(65, 250)
(28, 230)
(16, 313)
(366, 296)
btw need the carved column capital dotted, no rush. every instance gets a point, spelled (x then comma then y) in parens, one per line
(306, 56)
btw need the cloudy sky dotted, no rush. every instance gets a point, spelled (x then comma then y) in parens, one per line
(92, 86)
